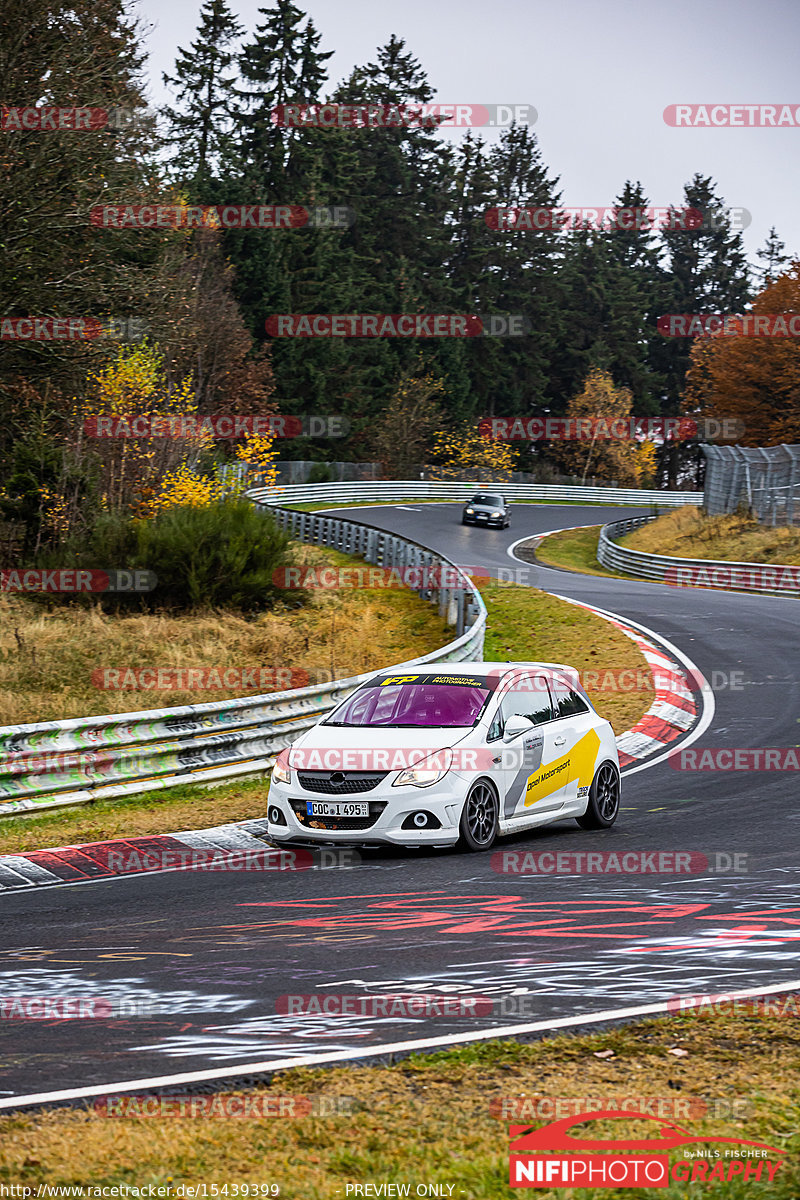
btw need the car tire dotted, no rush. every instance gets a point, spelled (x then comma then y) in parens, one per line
(604, 795)
(480, 818)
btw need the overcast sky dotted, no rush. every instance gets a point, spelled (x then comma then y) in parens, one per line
(599, 74)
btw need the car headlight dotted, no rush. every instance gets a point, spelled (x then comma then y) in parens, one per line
(469, 512)
(282, 771)
(427, 771)
(496, 514)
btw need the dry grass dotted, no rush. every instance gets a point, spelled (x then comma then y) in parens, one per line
(47, 656)
(688, 533)
(428, 1118)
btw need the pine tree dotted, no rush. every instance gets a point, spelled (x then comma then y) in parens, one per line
(202, 128)
(773, 258)
(501, 270)
(708, 274)
(281, 65)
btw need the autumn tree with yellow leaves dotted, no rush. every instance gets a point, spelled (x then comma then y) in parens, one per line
(469, 452)
(629, 462)
(400, 438)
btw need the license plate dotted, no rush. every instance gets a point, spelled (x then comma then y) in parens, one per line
(483, 516)
(336, 808)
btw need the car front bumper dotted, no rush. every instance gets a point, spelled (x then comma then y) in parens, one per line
(443, 800)
(475, 520)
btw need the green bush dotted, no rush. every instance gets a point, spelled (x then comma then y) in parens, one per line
(222, 556)
(320, 473)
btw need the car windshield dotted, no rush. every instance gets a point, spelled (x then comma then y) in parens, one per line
(416, 702)
(494, 501)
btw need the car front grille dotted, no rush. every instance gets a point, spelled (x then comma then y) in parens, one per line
(339, 783)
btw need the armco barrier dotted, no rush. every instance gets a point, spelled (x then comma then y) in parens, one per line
(60, 763)
(427, 489)
(664, 568)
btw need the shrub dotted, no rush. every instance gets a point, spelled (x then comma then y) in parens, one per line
(221, 556)
(217, 556)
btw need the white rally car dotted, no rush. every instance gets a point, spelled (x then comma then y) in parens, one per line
(448, 753)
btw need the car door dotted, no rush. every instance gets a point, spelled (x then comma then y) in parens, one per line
(531, 786)
(576, 737)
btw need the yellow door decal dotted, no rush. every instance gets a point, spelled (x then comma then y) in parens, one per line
(578, 764)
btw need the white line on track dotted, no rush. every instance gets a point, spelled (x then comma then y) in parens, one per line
(317, 1060)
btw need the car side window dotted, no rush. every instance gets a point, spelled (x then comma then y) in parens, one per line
(566, 701)
(529, 698)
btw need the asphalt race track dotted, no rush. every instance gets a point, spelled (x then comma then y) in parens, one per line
(202, 958)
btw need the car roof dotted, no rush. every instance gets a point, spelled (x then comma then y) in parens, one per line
(471, 668)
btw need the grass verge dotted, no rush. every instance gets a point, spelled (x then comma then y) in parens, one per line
(574, 550)
(432, 1118)
(688, 533)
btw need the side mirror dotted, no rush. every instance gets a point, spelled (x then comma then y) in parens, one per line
(515, 725)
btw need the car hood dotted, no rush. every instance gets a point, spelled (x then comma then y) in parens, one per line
(484, 507)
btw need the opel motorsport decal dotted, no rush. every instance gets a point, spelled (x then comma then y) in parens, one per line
(578, 763)
(540, 780)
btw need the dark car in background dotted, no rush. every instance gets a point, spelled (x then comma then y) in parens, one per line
(487, 508)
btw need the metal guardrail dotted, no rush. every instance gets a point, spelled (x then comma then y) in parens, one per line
(718, 574)
(429, 489)
(71, 762)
